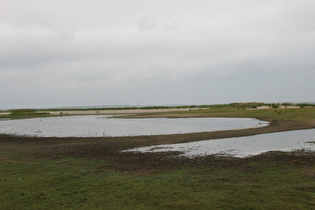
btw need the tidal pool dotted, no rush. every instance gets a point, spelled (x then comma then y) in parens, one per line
(241, 146)
(98, 125)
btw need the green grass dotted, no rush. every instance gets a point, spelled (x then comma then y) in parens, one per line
(23, 113)
(84, 184)
(301, 114)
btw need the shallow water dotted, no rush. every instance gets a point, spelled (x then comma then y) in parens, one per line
(242, 146)
(96, 126)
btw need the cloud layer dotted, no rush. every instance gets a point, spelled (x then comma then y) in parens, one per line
(75, 52)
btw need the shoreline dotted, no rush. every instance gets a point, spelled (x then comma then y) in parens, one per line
(109, 148)
(272, 127)
(116, 112)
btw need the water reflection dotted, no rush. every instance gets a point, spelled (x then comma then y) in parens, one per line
(242, 146)
(96, 126)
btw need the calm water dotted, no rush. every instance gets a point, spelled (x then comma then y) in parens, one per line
(242, 146)
(96, 125)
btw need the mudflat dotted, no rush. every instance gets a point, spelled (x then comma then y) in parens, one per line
(109, 148)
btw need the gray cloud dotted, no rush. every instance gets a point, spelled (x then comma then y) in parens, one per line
(56, 53)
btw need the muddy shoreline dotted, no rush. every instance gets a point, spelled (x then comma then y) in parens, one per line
(108, 148)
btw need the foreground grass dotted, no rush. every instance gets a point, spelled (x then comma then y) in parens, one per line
(79, 183)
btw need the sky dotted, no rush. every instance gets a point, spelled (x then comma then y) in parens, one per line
(57, 53)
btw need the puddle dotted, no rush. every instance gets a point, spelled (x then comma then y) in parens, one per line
(241, 146)
(96, 126)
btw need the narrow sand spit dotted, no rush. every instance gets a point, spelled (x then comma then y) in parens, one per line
(110, 112)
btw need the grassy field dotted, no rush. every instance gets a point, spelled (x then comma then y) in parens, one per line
(301, 114)
(91, 173)
(278, 181)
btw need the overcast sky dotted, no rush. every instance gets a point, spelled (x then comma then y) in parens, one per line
(79, 53)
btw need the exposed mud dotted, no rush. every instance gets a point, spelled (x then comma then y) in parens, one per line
(108, 149)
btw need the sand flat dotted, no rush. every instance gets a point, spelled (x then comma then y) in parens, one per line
(110, 112)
